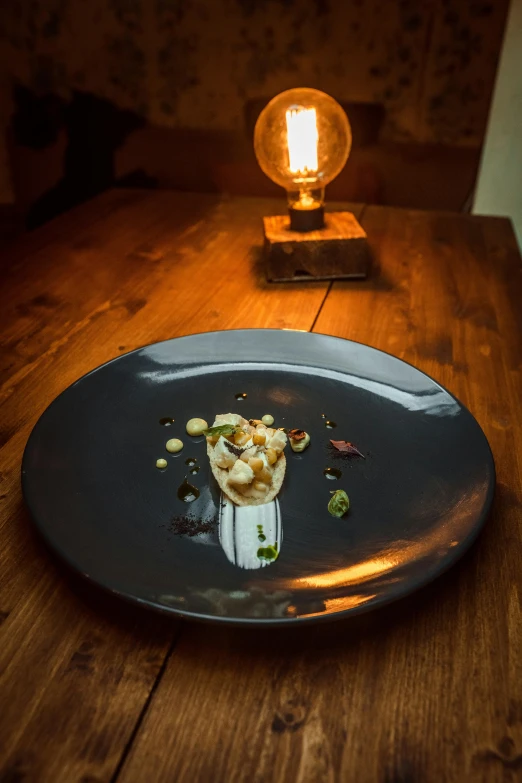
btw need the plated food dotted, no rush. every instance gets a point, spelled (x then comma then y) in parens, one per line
(247, 458)
(248, 461)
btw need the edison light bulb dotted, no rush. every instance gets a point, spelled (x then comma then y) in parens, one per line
(302, 140)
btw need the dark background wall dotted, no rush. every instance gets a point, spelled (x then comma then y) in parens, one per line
(171, 88)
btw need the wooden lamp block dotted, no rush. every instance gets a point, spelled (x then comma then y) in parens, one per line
(339, 251)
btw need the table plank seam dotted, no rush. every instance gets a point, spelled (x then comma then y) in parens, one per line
(330, 284)
(148, 701)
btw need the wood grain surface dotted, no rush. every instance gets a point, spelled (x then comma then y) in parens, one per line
(428, 689)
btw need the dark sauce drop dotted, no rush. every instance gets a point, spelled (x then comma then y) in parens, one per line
(330, 424)
(191, 461)
(241, 396)
(332, 473)
(194, 469)
(323, 415)
(166, 421)
(187, 492)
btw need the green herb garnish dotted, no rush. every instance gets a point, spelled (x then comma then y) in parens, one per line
(221, 429)
(339, 503)
(268, 553)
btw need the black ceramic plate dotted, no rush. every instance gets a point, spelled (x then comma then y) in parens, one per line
(418, 499)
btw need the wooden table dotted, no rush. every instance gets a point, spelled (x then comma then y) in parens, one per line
(428, 689)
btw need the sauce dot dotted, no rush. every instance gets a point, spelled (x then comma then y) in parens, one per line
(330, 424)
(187, 492)
(241, 396)
(174, 445)
(196, 426)
(166, 421)
(190, 461)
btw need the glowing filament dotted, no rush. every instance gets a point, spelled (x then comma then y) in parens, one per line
(301, 126)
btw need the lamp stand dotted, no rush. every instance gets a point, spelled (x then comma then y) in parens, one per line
(339, 251)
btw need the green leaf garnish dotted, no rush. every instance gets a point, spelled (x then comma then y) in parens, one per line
(221, 429)
(339, 503)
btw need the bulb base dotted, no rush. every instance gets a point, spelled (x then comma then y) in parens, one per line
(306, 219)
